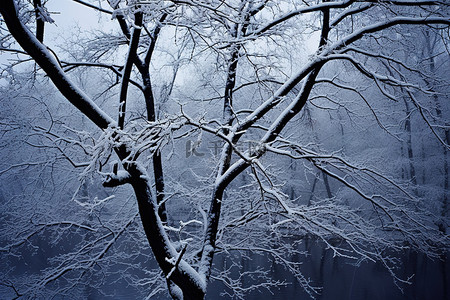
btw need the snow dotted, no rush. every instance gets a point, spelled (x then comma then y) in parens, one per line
(44, 15)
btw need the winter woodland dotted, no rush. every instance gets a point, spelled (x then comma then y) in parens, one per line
(172, 134)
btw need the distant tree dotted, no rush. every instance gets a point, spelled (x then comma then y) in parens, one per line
(227, 73)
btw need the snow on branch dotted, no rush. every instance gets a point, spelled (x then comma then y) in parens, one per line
(44, 15)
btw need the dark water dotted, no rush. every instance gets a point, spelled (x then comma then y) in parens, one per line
(340, 279)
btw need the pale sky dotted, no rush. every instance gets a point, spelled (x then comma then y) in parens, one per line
(67, 15)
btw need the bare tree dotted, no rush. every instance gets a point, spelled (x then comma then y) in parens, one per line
(255, 87)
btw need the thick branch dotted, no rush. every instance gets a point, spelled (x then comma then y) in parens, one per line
(143, 68)
(39, 22)
(112, 180)
(184, 276)
(128, 66)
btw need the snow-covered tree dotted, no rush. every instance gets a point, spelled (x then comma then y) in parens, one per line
(167, 77)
